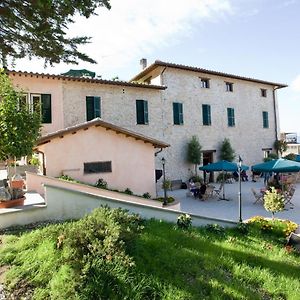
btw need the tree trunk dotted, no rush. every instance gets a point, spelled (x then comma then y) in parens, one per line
(196, 169)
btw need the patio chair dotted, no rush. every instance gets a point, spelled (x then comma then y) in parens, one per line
(258, 197)
(289, 195)
(217, 192)
(208, 193)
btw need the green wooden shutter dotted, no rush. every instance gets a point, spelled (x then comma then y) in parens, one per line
(176, 113)
(265, 119)
(97, 107)
(145, 107)
(139, 111)
(180, 110)
(206, 116)
(89, 108)
(46, 108)
(230, 117)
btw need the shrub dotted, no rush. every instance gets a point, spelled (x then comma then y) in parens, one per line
(184, 221)
(215, 228)
(273, 201)
(271, 156)
(169, 199)
(128, 191)
(227, 152)
(242, 228)
(196, 178)
(166, 184)
(146, 195)
(101, 184)
(34, 161)
(67, 178)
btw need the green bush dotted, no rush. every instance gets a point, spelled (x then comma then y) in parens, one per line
(273, 201)
(128, 191)
(67, 178)
(215, 228)
(184, 221)
(146, 195)
(85, 259)
(196, 178)
(101, 183)
(169, 199)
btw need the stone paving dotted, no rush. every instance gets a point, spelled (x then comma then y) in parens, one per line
(229, 209)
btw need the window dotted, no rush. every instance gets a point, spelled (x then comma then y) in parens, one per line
(230, 117)
(40, 103)
(142, 112)
(177, 113)
(206, 115)
(263, 92)
(265, 119)
(97, 167)
(229, 86)
(205, 83)
(93, 107)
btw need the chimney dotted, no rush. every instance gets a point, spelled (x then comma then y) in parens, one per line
(143, 63)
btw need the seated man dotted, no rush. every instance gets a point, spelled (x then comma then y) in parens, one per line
(244, 175)
(235, 175)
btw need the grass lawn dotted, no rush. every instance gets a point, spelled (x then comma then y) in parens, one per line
(115, 259)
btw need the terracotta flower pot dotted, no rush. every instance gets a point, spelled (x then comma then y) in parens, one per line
(17, 184)
(12, 203)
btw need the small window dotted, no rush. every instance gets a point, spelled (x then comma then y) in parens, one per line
(230, 117)
(97, 167)
(205, 83)
(93, 107)
(263, 92)
(177, 113)
(229, 86)
(206, 114)
(265, 119)
(142, 112)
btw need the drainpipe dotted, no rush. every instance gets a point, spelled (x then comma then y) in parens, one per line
(275, 115)
(161, 149)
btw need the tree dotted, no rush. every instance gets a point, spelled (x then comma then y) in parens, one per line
(194, 152)
(273, 201)
(280, 146)
(227, 153)
(19, 127)
(37, 28)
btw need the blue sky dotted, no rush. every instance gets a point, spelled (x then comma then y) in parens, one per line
(253, 38)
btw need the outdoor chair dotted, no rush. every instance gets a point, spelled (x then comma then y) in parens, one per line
(258, 197)
(217, 192)
(208, 193)
(288, 196)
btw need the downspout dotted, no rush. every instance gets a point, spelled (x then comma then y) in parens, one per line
(155, 154)
(275, 116)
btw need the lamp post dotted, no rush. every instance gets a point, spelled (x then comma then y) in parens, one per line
(163, 160)
(240, 189)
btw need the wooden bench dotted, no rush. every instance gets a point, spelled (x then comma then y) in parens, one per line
(176, 184)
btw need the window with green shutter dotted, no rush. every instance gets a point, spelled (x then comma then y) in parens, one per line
(206, 114)
(93, 107)
(46, 108)
(265, 119)
(230, 117)
(142, 112)
(178, 113)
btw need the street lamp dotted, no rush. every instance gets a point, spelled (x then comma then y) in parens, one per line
(240, 189)
(163, 160)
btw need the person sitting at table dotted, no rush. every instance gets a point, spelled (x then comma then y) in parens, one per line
(244, 175)
(235, 175)
(193, 189)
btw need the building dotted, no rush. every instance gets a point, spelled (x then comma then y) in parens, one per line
(98, 149)
(168, 102)
(293, 145)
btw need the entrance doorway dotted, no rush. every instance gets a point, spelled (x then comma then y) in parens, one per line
(208, 158)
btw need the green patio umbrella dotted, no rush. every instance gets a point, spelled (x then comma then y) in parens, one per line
(222, 165)
(277, 166)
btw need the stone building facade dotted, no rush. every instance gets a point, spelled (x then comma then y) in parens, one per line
(179, 102)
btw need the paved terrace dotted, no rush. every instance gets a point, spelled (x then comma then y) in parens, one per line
(229, 209)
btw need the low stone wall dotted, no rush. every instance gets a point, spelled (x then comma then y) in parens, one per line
(64, 203)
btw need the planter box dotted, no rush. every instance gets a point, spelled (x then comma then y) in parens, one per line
(12, 203)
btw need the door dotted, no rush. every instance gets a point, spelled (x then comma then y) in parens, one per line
(207, 159)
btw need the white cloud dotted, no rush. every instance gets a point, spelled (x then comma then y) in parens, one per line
(295, 85)
(134, 28)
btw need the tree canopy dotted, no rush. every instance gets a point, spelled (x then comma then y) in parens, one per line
(19, 127)
(227, 153)
(194, 152)
(37, 28)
